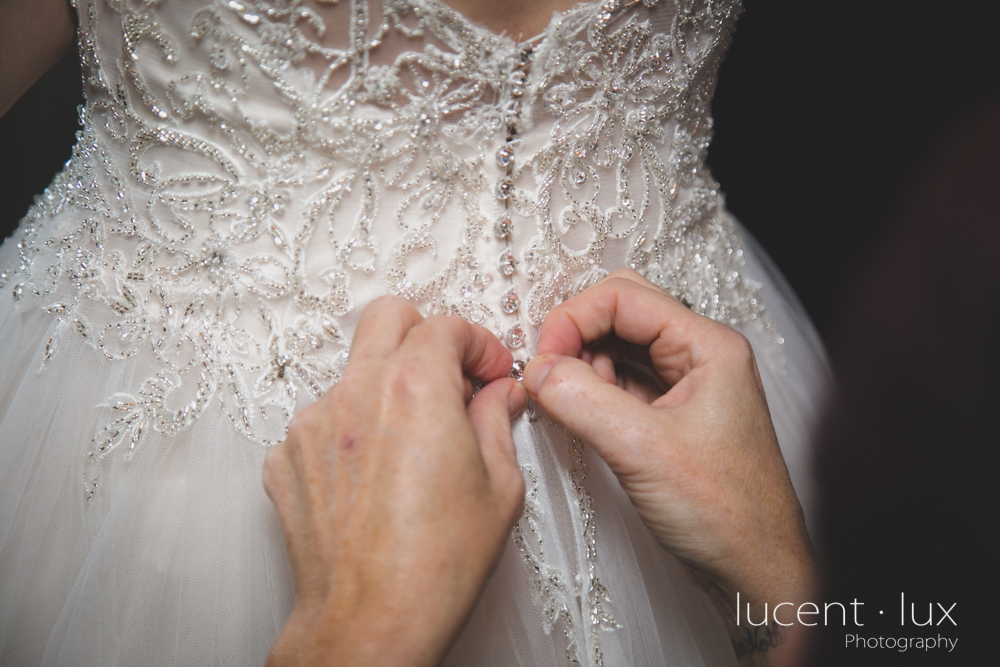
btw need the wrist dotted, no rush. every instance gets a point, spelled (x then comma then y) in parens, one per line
(331, 638)
(760, 613)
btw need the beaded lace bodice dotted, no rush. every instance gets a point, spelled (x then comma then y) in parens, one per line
(251, 172)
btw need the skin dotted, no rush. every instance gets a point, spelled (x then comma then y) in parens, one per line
(396, 492)
(34, 35)
(521, 19)
(673, 402)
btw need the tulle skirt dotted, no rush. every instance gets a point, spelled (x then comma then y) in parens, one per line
(178, 559)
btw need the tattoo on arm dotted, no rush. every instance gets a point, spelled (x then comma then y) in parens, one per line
(756, 641)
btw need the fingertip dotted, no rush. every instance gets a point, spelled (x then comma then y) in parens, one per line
(630, 275)
(572, 393)
(489, 362)
(517, 396)
(517, 399)
(492, 424)
(604, 366)
(537, 370)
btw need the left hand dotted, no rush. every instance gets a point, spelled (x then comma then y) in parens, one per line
(396, 492)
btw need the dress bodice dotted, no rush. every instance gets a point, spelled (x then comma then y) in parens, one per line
(251, 172)
(248, 176)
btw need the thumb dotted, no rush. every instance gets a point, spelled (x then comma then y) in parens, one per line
(617, 424)
(490, 413)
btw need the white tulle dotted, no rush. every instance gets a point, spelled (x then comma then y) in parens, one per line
(177, 559)
(181, 560)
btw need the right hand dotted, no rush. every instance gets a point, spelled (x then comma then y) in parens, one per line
(689, 436)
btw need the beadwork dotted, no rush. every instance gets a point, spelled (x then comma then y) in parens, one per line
(243, 172)
(155, 244)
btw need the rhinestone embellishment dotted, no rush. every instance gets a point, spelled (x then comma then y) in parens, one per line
(510, 301)
(505, 156)
(507, 263)
(276, 334)
(203, 250)
(505, 187)
(515, 337)
(517, 81)
(503, 227)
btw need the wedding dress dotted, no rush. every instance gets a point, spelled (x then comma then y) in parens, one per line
(250, 173)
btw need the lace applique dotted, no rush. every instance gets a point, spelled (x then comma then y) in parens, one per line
(246, 170)
(222, 210)
(550, 586)
(575, 603)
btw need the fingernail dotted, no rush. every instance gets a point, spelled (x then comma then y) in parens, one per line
(536, 371)
(516, 399)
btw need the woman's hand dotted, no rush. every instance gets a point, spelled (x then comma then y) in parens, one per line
(673, 402)
(396, 492)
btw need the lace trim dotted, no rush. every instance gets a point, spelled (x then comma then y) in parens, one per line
(219, 245)
(188, 264)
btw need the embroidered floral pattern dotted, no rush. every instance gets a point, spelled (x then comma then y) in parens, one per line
(237, 169)
(250, 172)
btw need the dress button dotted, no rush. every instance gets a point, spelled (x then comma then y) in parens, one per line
(510, 302)
(505, 155)
(503, 227)
(515, 337)
(507, 263)
(505, 187)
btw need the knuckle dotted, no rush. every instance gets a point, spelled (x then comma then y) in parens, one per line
(741, 344)
(272, 472)
(439, 332)
(404, 382)
(619, 282)
(384, 302)
(303, 426)
(629, 279)
(510, 491)
(735, 344)
(443, 325)
(388, 305)
(398, 376)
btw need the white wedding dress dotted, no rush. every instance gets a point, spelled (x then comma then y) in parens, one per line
(249, 175)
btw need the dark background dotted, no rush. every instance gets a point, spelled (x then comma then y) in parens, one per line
(825, 112)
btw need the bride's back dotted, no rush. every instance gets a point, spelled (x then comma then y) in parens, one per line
(249, 175)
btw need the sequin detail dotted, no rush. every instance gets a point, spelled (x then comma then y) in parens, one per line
(225, 197)
(187, 262)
